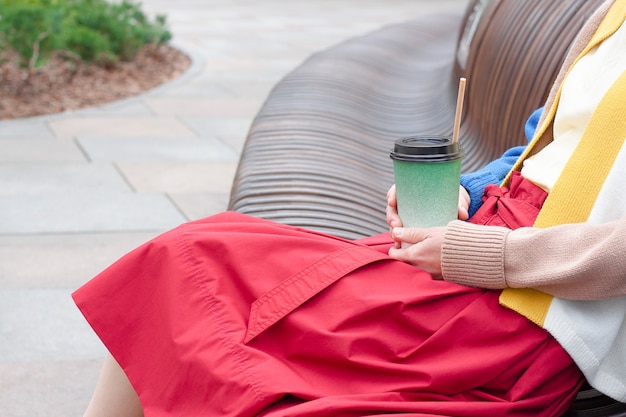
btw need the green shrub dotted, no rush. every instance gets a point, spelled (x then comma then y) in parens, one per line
(23, 25)
(91, 45)
(95, 30)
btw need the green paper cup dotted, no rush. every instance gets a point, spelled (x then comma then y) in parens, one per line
(427, 172)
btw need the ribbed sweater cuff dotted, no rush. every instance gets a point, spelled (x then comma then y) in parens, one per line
(474, 255)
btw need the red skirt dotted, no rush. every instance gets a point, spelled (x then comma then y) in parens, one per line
(236, 316)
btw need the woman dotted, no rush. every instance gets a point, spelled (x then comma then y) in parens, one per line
(237, 316)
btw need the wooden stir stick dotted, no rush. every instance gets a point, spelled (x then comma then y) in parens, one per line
(459, 110)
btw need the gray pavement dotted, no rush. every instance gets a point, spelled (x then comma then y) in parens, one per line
(78, 190)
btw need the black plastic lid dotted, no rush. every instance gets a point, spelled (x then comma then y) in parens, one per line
(427, 149)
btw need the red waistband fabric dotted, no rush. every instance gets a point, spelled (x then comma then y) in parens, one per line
(514, 206)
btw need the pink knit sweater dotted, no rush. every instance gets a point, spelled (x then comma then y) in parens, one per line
(578, 261)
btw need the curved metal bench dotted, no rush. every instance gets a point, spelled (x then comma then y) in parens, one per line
(317, 152)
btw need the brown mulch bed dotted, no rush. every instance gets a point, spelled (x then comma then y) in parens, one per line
(64, 84)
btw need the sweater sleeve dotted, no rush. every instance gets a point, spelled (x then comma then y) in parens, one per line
(544, 259)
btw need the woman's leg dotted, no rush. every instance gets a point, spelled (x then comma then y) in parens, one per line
(114, 395)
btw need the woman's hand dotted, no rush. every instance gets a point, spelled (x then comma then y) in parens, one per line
(464, 203)
(419, 247)
(393, 220)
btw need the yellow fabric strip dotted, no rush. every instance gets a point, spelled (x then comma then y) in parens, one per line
(611, 22)
(532, 304)
(609, 25)
(576, 190)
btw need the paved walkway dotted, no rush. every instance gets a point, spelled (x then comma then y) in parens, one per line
(77, 190)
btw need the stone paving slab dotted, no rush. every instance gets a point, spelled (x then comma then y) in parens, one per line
(120, 126)
(156, 149)
(179, 177)
(80, 212)
(127, 107)
(257, 89)
(47, 389)
(29, 128)
(223, 107)
(197, 205)
(44, 325)
(62, 261)
(22, 150)
(50, 178)
(231, 131)
(200, 88)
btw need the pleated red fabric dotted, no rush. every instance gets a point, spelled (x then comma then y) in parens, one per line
(512, 206)
(237, 316)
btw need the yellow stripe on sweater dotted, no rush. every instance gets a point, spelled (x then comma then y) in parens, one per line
(530, 303)
(609, 25)
(575, 192)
